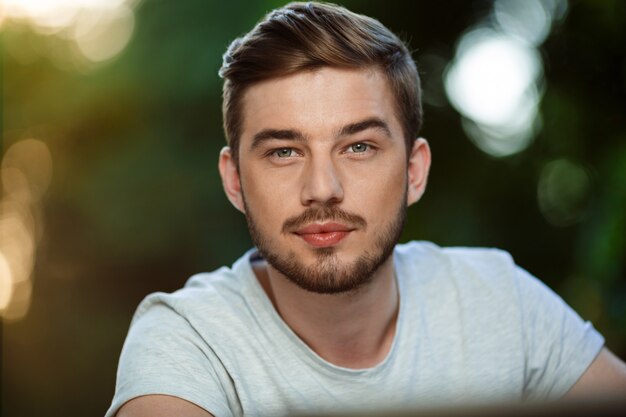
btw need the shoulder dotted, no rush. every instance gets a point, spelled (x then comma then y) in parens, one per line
(180, 344)
(202, 308)
(211, 311)
(481, 264)
(204, 295)
(477, 255)
(472, 281)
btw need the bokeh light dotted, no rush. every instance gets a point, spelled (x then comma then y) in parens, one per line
(529, 20)
(26, 171)
(102, 34)
(562, 191)
(27, 167)
(95, 30)
(6, 283)
(495, 80)
(492, 81)
(493, 84)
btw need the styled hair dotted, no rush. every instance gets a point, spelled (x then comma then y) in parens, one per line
(307, 36)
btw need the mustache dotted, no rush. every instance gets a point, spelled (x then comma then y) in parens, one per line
(323, 214)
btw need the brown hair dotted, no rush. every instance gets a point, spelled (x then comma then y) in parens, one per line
(302, 36)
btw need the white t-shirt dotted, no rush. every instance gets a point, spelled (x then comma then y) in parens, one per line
(472, 327)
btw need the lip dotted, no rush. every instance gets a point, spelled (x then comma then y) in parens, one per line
(323, 235)
(316, 228)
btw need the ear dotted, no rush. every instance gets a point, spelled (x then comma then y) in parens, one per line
(418, 167)
(230, 178)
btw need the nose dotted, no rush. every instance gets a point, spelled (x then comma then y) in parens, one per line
(321, 183)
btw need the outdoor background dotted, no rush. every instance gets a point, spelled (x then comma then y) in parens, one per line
(111, 127)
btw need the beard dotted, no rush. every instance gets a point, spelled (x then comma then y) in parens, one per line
(328, 274)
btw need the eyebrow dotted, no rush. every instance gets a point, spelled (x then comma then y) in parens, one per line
(269, 134)
(371, 123)
(295, 135)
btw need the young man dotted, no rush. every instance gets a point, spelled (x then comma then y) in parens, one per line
(322, 112)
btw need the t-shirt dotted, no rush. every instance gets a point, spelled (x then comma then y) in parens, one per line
(472, 327)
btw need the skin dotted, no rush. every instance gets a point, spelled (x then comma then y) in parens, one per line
(352, 329)
(281, 177)
(605, 377)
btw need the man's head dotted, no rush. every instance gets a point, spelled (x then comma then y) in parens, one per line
(305, 36)
(323, 156)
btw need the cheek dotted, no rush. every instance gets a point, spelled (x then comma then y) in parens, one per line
(380, 181)
(266, 196)
(378, 192)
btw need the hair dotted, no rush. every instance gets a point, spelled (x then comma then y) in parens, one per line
(307, 36)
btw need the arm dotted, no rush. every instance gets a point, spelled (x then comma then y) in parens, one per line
(161, 406)
(606, 376)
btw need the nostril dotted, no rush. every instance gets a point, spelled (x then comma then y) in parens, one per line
(321, 184)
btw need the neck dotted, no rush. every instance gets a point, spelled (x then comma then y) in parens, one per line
(353, 329)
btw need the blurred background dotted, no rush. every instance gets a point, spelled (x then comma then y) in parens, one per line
(111, 127)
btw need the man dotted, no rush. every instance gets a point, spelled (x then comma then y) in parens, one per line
(322, 112)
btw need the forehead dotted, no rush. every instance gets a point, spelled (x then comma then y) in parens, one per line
(319, 101)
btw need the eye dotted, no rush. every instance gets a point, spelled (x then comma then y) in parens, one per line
(283, 152)
(359, 147)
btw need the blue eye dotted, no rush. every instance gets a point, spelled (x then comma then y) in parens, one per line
(283, 152)
(359, 147)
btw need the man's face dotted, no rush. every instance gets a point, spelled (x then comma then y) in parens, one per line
(323, 175)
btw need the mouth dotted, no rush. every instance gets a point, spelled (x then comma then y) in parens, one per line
(324, 235)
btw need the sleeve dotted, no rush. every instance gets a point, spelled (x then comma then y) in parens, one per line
(163, 354)
(559, 345)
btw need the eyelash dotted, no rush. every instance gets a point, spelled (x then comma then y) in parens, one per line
(368, 147)
(274, 153)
